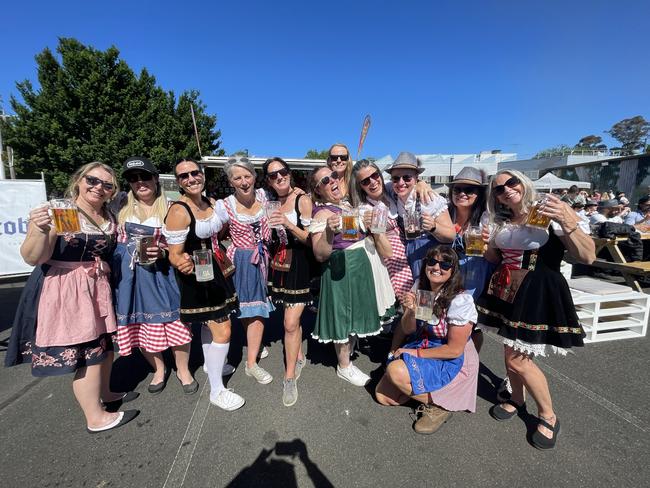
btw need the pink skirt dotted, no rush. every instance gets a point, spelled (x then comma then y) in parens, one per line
(460, 393)
(152, 337)
(75, 305)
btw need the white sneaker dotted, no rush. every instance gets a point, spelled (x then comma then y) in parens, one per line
(264, 353)
(353, 375)
(228, 400)
(300, 363)
(262, 376)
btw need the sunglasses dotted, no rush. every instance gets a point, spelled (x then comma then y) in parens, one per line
(467, 190)
(511, 183)
(273, 175)
(194, 173)
(404, 178)
(135, 177)
(444, 265)
(366, 181)
(342, 157)
(326, 179)
(94, 181)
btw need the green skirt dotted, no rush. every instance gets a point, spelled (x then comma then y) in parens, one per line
(348, 305)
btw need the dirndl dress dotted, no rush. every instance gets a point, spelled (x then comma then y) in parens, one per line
(203, 300)
(147, 299)
(348, 302)
(528, 301)
(249, 236)
(65, 317)
(291, 287)
(450, 383)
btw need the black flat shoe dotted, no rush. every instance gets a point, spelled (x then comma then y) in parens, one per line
(190, 389)
(129, 396)
(540, 441)
(501, 414)
(123, 419)
(154, 389)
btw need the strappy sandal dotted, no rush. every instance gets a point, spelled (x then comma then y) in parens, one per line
(501, 414)
(540, 441)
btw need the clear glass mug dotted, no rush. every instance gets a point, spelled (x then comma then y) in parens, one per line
(424, 304)
(536, 219)
(412, 228)
(350, 224)
(474, 245)
(65, 215)
(203, 264)
(270, 208)
(141, 245)
(379, 219)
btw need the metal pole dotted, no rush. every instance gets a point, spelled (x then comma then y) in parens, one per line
(10, 157)
(2, 164)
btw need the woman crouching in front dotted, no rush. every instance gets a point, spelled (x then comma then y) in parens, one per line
(439, 367)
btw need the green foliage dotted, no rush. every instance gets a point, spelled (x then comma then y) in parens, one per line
(91, 106)
(315, 154)
(632, 133)
(553, 151)
(591, 142)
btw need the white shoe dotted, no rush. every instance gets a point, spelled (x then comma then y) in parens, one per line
(227, 400)
(264, 353)
(353, 375)
(300, 363)
(262, 376)
(228, 369)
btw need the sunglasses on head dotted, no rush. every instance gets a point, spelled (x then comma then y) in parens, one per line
(444, 265)
(326, 179)
(500, 189)
(342, 157)
(404, 178)
(194, 173)
(366, 181)
(134, 177)
(94, 181)
(467, 190)
(273, 175)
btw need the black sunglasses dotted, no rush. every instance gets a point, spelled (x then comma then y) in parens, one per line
(444, 265)
(194, 173)
(342, 157)
(273, 175)
(512, 182)
(94, 181)
(467, 190)
(134, 177)
(405, 178)
(326, 179)
(366, 181)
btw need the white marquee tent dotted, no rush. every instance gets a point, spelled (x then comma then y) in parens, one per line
(551, 182)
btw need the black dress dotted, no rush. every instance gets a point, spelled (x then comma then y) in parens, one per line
(291, 287)
(204, 300)
(529, 301)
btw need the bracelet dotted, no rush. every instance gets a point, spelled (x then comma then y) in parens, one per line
(417, 352)
(571, 231)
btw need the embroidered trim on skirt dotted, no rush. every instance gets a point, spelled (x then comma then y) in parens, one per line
(152, 337)
(60, 360)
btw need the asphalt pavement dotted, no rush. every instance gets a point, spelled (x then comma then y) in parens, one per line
(336, 434)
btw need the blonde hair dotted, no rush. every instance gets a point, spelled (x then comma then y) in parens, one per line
(500, 213)
(348, 164)
(73, 187)
(132, 209)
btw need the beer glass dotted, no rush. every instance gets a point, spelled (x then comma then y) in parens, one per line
(203, 264)
(271, 207)
(350, 224)
(66, 216)
(379, 217)
(536, 219)
(474, 245)
(412, 229)
(424, 303)
(141, 245)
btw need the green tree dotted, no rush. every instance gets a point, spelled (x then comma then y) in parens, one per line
(591, 142)
(553, 151)
(316, 154)
(632, 133)
(91, 106)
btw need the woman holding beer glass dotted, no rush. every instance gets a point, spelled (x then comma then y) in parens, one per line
(439, 368)
(425, 224)
(291, 263)
(207, 295)
(65, 318)
(528, 300)
(348, 302)
(147, 298)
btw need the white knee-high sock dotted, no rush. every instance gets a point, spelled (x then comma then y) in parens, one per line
(217, 355)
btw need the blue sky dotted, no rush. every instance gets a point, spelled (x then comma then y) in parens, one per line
(436, 76)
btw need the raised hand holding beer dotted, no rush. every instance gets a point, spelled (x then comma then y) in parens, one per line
(559, 211)
(40, 217)
(187, 265)
(334, 223)
(428, 222)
